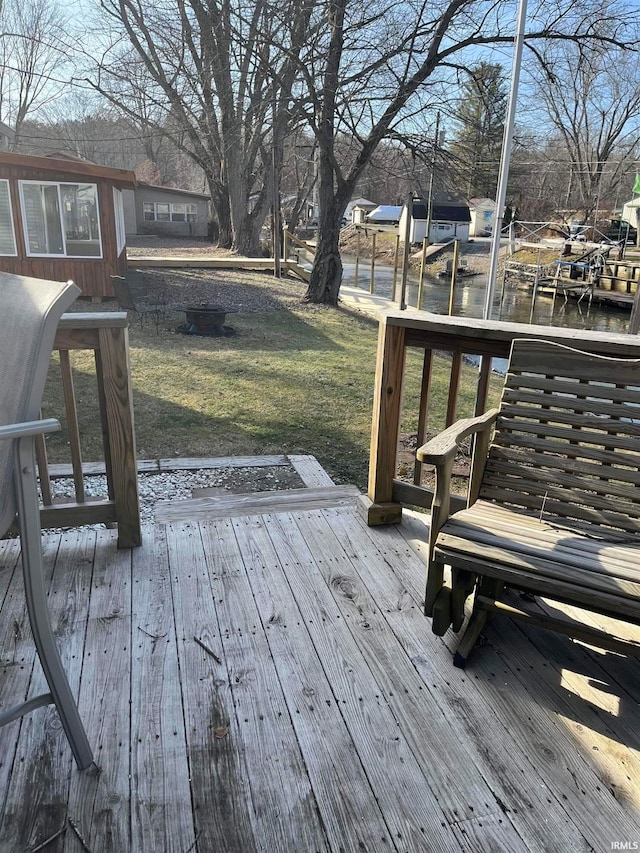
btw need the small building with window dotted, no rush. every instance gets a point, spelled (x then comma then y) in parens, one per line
(166, 211)
(62, 218)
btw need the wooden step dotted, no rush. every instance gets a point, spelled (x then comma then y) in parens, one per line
(255, 503)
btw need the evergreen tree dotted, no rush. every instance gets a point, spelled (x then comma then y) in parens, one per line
(477, 143)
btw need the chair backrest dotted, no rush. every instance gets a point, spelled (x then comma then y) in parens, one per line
(31, 310)
(123, 292)
(567, 440)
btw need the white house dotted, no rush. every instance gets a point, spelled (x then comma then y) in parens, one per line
(631, 213)
(449, 221)
(483, 214)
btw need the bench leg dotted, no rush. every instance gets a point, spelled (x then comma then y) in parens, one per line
(492, 589)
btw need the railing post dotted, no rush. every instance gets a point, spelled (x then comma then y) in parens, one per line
(113, 367)
(378, 507)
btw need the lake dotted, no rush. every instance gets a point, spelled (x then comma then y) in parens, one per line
(469, 299)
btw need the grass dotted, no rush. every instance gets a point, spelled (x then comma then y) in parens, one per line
(294, 380)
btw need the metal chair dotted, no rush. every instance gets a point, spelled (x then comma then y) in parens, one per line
(31, 309)
(129, 291)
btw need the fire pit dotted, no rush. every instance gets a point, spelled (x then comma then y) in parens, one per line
(206, 319)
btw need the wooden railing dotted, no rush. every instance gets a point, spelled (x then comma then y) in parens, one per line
(400, 331)
(106, 334)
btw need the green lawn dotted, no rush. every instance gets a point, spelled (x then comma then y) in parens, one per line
(294, 380)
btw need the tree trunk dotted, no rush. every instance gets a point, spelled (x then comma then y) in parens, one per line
(326, 275)
(221, 212)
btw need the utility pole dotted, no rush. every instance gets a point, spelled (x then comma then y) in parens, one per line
(433, 166)
(505, 158)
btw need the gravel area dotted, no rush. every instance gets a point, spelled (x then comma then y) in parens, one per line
(182, 485)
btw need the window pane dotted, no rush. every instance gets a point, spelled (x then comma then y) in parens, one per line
(148, 211)
(42, 225)
(7, 237)
(162, 212)
(178, 213)
(192, 213)
(80, 217)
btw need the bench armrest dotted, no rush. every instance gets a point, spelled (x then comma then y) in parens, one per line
(441, 452)
(443, 447)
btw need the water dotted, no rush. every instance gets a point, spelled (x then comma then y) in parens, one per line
(469, 296)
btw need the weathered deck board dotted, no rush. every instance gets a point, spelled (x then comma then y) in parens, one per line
(254, 503)
(159, 772)
(412, 811)
(219, 777)
(519, 796)
(311, 471)
(284, 804)
(38, 791)
(321, 713)
(342, 790)
(99, 802)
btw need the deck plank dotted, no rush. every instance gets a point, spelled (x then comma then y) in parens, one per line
(18, 655)
(37, 796)
(347, 805)
(220, 788)
(254, 503)
(460, 794)
(161, 816)
(285, 809)
(99, 801)
(311, 471)
(412, 811)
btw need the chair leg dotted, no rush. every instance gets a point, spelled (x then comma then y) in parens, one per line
(35, 593)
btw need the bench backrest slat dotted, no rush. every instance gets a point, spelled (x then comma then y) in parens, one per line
(567, 440)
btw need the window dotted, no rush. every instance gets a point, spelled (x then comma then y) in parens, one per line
(61, 219)
(7, 235)
(161, 212)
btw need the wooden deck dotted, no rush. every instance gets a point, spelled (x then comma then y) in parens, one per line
(268, 682)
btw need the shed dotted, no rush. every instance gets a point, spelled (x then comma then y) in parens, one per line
(166, 211)
(483, 214)
(449, 221)
(62, 218)
(631, 214)
(357, 209)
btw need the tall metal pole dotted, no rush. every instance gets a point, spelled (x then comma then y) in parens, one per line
(505, 158)
(433, 168)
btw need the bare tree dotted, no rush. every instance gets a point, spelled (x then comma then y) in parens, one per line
(35, 65)
(374, 67)
(216, 78)
(591, 102)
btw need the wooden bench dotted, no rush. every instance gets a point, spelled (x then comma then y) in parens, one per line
(554, 498)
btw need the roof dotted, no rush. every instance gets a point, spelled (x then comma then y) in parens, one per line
(70, 166)
(481, 202)
(385, 212)
(362, 202)
(442, 211)
(174, 190)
